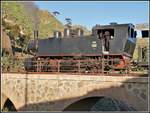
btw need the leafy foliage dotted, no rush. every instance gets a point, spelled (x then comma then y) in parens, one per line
(11, 64)
(16, 12)
(15, 18)
(6, 63)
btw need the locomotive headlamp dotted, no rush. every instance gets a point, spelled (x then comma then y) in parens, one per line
(94, 44)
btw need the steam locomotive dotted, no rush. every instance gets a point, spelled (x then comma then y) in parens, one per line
(110, 46)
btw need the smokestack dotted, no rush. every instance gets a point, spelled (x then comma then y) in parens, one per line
(36, 35)
(37, 39)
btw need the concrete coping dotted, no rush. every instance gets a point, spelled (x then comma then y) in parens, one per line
(66, 77)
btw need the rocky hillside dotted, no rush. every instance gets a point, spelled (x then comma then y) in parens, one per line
(86, 31)
(16, 12)
(13, 13)
(19, 21)
(48, 23)
(6, 43)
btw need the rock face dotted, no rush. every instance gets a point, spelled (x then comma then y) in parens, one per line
(6, 43)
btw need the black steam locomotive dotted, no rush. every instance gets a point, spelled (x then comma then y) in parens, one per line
(109, 46)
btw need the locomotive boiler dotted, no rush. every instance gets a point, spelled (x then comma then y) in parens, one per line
(108, 48)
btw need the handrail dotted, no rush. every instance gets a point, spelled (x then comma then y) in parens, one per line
(86, 66)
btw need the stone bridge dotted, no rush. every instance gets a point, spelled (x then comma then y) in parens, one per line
(55, 92)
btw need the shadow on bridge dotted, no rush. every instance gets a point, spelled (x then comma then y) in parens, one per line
(106, 99)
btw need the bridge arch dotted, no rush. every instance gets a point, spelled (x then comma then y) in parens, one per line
(121, 95)
(7, 104)
(98, 103)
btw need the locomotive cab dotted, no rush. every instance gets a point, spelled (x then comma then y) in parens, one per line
(117, 41)
(116, 38)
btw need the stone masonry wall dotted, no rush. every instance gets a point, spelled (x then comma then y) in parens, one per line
(39, 92)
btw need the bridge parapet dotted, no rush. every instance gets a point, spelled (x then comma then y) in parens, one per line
(48, 92)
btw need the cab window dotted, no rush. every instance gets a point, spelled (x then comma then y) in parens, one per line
(145, 33)
(131, 32)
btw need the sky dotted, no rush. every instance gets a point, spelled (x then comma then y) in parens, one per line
(89, 14)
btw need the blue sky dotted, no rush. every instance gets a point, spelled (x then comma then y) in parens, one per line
(89, 14)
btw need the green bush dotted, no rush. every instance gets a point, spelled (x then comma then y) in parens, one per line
(7, 62)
